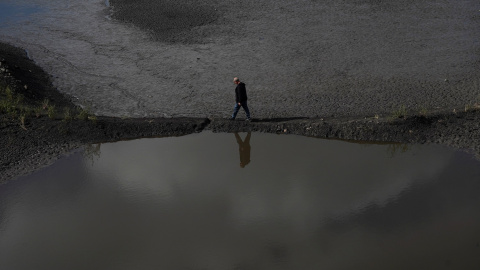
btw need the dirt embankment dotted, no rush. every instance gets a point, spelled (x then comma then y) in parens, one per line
(38, 140)
(41, 137)
(460, 129)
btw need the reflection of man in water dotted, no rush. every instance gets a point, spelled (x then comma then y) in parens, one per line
(243, 149)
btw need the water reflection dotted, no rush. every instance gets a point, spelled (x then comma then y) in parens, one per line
(184, 203)
(92, 152)
(397, 148)
(244, 149)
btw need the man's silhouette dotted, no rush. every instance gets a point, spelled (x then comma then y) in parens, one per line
(243, 149)
(240, 99)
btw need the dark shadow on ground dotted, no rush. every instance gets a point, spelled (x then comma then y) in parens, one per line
(274, 120)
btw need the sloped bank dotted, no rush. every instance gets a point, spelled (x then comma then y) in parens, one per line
(38, 141)
(460, 130)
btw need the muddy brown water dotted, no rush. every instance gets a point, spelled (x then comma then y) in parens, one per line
(258, 201)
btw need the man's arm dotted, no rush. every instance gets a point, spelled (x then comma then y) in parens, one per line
(242, 92)
(237, 95)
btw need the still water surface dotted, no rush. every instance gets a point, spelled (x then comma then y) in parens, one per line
(10, 13)
(258, 201)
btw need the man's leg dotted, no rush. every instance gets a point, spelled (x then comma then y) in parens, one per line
(235, 110)
(245, 107)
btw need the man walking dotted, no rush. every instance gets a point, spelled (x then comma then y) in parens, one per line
(240, 99)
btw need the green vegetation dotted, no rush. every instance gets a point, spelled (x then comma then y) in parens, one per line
(471, 107)
(38, 111)
(22, 121)
(13, 107)
(401, 112)
(93, 118)
(10, 103)
(83, 114)
(45, 104)
(67, 114)
(51, 111)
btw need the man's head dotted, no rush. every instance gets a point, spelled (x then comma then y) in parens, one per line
(236, 80)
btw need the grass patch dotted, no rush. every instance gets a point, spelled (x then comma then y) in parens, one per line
(10, 102)
(38, 111)
(83, 114)
(93, 118)
(45, 104)
(472, 107)
(67, 114)
(51, 111)
(15, 107)
(22, 121)
(400, 112)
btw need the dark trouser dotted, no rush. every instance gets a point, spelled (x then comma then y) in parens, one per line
(237, 108)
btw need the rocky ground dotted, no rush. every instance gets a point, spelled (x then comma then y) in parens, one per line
(299, 58)
(307, 58)
(38, 141)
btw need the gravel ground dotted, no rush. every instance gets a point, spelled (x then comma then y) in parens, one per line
(315, 58)
(299, 58)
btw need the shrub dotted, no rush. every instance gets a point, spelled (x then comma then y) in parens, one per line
(401, 112)
(51, 111)
(67, 115)
(38, 111)
(83, 115)
(93, 118)
(45, 104)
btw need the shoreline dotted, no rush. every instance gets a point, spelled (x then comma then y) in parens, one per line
(42, 140)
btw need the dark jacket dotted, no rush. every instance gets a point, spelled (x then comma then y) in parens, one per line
(240, 93)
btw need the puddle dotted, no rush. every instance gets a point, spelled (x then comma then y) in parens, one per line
(16, 13)
(258, 201)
